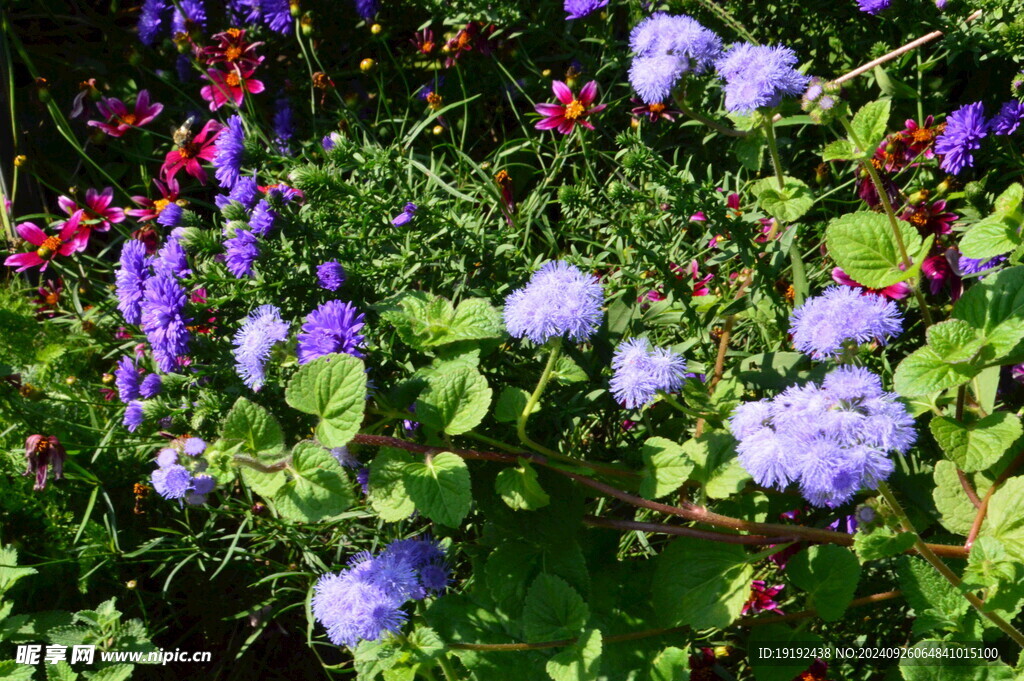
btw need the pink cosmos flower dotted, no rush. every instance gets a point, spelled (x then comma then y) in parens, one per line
(49, 247)
(97, 211)
(150, 209)
(762, 598)
(120, 120)
(231, 49)
(930, 218)
(897, 291)
(571, 111)
(937, 270)
(188, 155)
(230, 86)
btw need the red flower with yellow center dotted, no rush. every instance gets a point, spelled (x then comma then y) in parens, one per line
(571, 110)
(47, 247)
(188, 156)
(230, 86)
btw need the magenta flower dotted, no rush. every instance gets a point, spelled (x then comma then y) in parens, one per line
(762, 598)
(120, 120)
(930, 218)
(190, 153)
(230, 86)
(49, 247)
(571, 111)
(937, 271)
(150, 209)
(97, 211)
(897, 291)
(233, 50)
(700, 284)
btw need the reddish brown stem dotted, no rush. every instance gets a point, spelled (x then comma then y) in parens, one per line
(710, 535)
(979, 518)
(968, 489)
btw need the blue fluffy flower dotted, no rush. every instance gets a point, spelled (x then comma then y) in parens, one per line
(151, 386)
(260, 331)
(366, 9)
(824, 324)
(131, 276)
(172, 260)
(558, 300)
(151, 17)
(331, 327)
(126, 378)
(640, 372)
(240, 252)
(194, 446)
(759, 76)
(331, 275)
(133, 416)
(577, 9)
(965, 128)
(230, 147)
(164, 321)
(171, 482)
(665, 48)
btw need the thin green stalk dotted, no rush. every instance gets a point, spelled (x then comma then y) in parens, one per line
(717, 127)
(800, 286)
(556, 350)
(944, 569)
(729, 19)
(773, 149)
(447, 667)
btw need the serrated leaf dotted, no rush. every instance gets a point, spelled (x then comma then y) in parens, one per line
(61, 671)
(717, 467)
(1006, 517)
(455, 401)
(475, 319)
(924, 372)
(829, 574)
(870, 124)
(264, 484)
(518, 487)
(553, 610)
(666, 467)
(787, 204)
(253, 428)
(864, 246)
(956, 512)
(388, 495)
(927, 662)
(332, 387)
(567, 371)
(9, 570)
(440, 488)
(881, 542)
(318, 488)
(988, 564)
(839, 150)
(936, 602)
(995, 235)
(701, 584)
(976, 446)
(671, 664)
(579, 662)
(511, 403)
(14, 671)
(994, 307)
(115, 672)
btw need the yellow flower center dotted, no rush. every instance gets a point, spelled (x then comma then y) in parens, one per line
(574, 110)
(232, 79)
(919, 218)
(127, 119)
(160, 204)
(656, 108)
(434, 100)
(232, 53)
(49, 247)
(234, 32)
(923, 135)
(188, 150)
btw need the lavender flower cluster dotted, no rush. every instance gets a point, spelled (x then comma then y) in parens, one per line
(183, 478)
(640, 371)
(364, 601)
(559, 300)
(824, 325)
(832, 439)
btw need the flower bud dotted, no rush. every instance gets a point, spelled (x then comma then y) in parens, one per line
(367, 65)
(306, 24)
(20, 160)
(376, 29)
(294, 8)
(438, 130)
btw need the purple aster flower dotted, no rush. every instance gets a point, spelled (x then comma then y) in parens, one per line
(873, 6)
(1009, 118)
(171, 482)
(260, 331)
(263, 218)
(824, 324)
(558, 300)
(151, 386)
(967, 266)
(194, 446)
(276, 14)
(328, 142)
(332, 327)
(151, 16)
(284, 126)
(759, 76)
(366, 9)
(666, 47)
(363, 478)
(133, 416)
(832, 439)
(331, 275)
(172, 260)
(126, 378)
(965, 128)
(240, 253)
(190, 10)
(640, 372)
(941, 4)
(131, 280)
(230, 147)
(164, 321)
(245, 192)
(577, 9)
(406, 216)
(171, 215)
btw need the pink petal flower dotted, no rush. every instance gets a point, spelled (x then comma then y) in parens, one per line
(30, 233)
(562, 91)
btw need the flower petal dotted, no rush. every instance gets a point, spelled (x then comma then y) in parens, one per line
(588, 92)
(561, 91)
(550, 109)
(549, 123)
(31, 233)
(23, 261)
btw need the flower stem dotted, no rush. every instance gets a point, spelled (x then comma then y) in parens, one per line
(556, 350)
(944, 569)
(717, 127)
(773, 149)
(447, 667)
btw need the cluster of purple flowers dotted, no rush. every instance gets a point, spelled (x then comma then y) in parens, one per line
(331, 327)
(184, 479)
(577, 9)
(364, 601)
(641, 371)
(759, 76)
(259, 333)
(558, 300)
(274, 14)
(873, 6)
(154, 15)
(831, 439)
(666, 47)
(967, 127)
(133, 382)
(825, 324)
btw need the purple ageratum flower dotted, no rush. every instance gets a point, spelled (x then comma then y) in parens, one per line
(558, 300)
(230, 147)
(577, 9)
(759, 76)
(260, 331)
(824, 324)
(406, 216)
(241, 252)
(172, 260)
(873, 6)
(151, 386)
(164, 321)
(151, 17)
(131, 279)
(666, 47)
(194, 446)
(166, 457)
(363, 478)
(263, 218)
(284, 126)
(1009, 118)
(171, 482)
(366, 9)
(126, 378)
(245, 192)
(331, 275)
(133, 416)
(965, 128)
(332, 327)
(832, 439)
(640, 372)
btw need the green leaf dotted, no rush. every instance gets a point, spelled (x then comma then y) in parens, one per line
(440, 488)
(863, 245)
(388, 495)
(700, 583)
(995, 235)
(954, 341)
(253, 426)
(870, 124)
(840, 150)
(61, 671)
(1006, 516)
(264, 484)
(318, 487)
(116, 672)
(1009, 202)
(455, 401)
(717, 467)
(988, 564)
(976, 446)
(749, 150)
(474, 319)
(553, 610)
(666, 467)
(519, 488)
(956, 512)
(332, 387)
(9, 570)
(15, 671)
(924, 371)
(787, 204)
(829, 574)
(511, 403)
(881, 542)
(567, 371)
(923, 665)
(426, 321)
(671, 664)
(579, 662)
(995, 308)
(937, 604)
